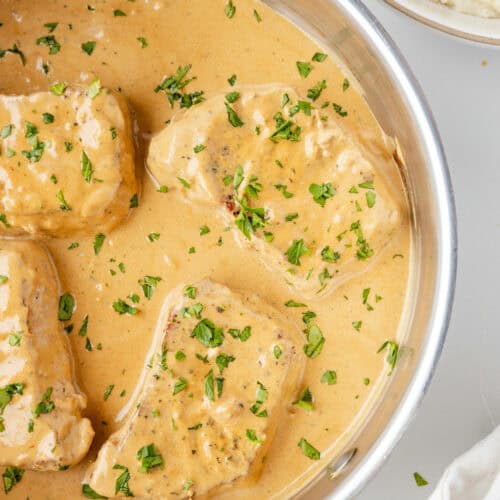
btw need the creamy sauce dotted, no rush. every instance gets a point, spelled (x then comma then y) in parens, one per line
(115, 349)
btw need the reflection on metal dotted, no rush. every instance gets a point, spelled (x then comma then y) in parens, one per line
(336, 468)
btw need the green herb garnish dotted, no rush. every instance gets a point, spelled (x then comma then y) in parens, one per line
(66, 306)
(309, 450)
(88, 47)
(329, 377)
(304, 68)
(296, 250)
(149, 458)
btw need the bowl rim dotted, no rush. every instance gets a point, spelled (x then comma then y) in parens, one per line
(467, 26)
(446, 224)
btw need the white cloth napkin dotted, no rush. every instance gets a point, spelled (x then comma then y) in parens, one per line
(475, 475)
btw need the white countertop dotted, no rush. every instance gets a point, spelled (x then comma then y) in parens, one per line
(463, 403)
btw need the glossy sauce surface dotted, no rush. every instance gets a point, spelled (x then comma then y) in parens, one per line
(133, 53)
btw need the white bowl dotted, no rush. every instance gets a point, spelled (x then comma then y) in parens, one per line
(479, 29)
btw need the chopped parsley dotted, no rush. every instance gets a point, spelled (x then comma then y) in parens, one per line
(174, 85)
(319, 57)
(304, 68)
(121, 307)
(88, 47)
(88, 492)
(243, 335)
(329, 377)
(204, 230)
(232, 80)
(230, 9)
(134, 201)
(250, 433)
(93, 91)
(208, 334)
(98, 242)
(315, 341)
(180, 385)
(392, 353)
(8, 392)
(45, 405)
(51, 26)
(339, 110)
(142, 41)
(232, 97)
(357, 325)
(365, 294)
(329, 255)
(323, 276)
(58, 88)
(260, 399)
(6, 130)
(308, 449)
(322, 192)
(14, 50)
(277, 351)
(315, 92)
(301, 106)
(119, 13)
(190, 291)
(250, 219)
(87, 169)
(222, 361)
(192, 311)
(296, 250)
(292, 303)
(51, 42)
(308, 316)
(153, 237)
(15, 338)
(184, 182)
(285, 129)
(209, 386)
(148, 285)
(108, 391)
(85, 324)
(180, 356)
(345, 84)
(3, 220)
(66, 306)
(149, 458)
(199, 148)
(283, 189)
(371, 198)
(305, 400)
(364, 250)
(121, 484)
(419, 480)
(47, 118)
(63, 204)
(233, 117)
(11, 476)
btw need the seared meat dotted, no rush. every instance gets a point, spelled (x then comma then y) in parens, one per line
(67, 162)
(317, 205)
(221, 371)
(41, 426)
